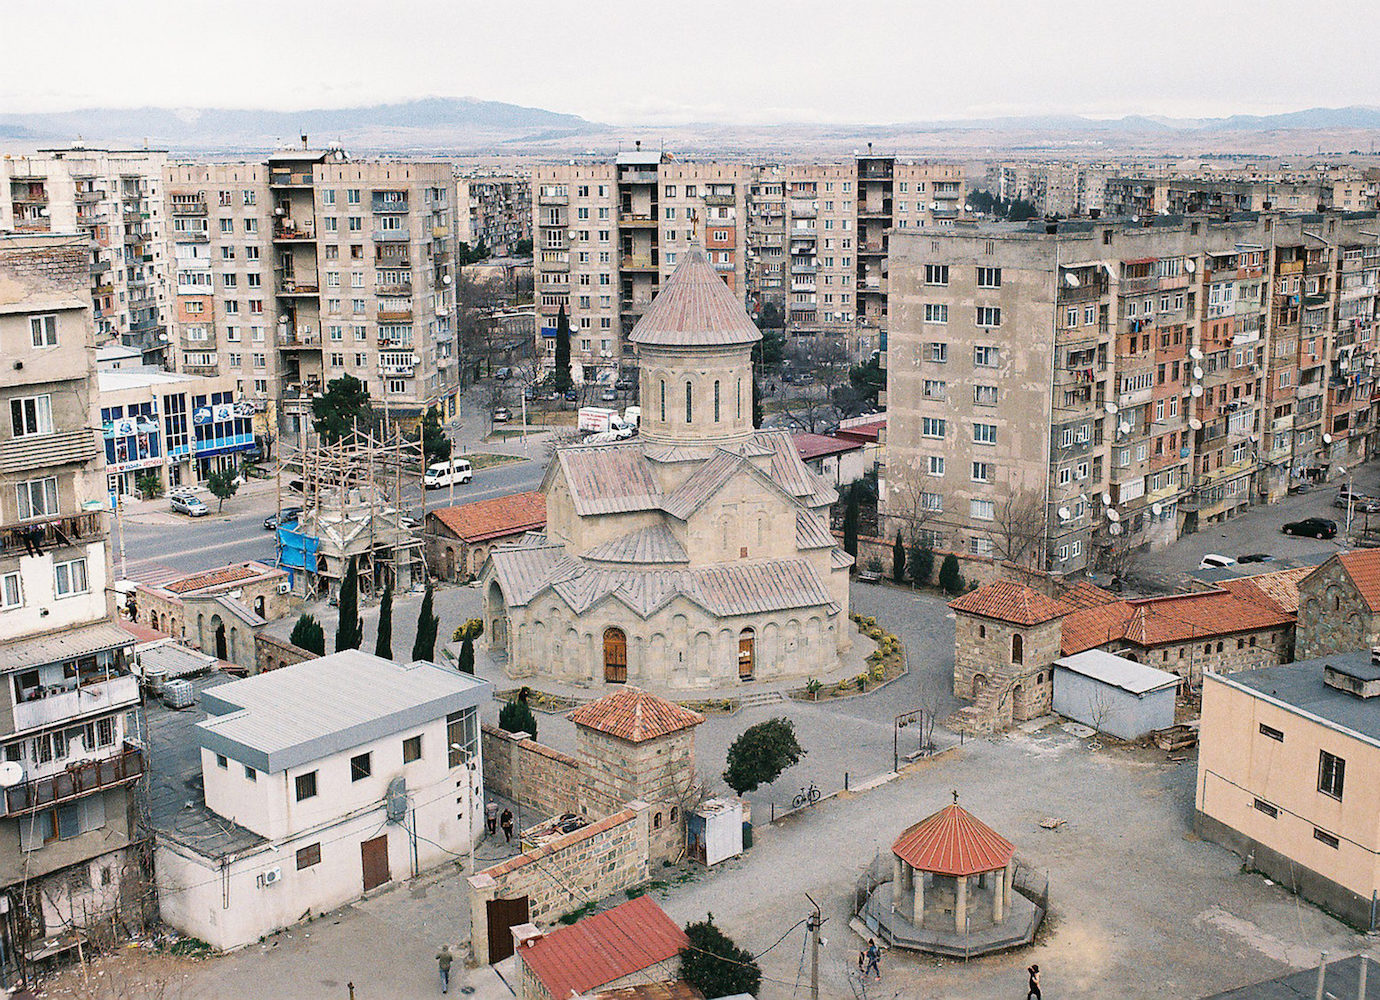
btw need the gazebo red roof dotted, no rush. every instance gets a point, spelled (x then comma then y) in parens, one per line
(953, 842)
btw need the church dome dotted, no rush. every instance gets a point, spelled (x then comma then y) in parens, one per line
(695, 309)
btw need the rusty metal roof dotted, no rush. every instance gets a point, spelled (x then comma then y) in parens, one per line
(953, 842)
(601, 949)
(695, 308)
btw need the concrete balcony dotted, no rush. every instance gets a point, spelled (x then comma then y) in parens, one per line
(188, 208)
(88, 699)
(391, 236)
(123, 767)
(635, 220)
(52, 533)
(292, 234)
(289, 178)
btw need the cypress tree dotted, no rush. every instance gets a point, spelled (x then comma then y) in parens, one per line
(563, 379)
(466, 663)
(898, 559)
(309, 635)
(383, 646)
(349, 630)
(850, 523)
(424, 647)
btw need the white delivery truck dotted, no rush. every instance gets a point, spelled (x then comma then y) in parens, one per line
(601, 420)
(457, 470)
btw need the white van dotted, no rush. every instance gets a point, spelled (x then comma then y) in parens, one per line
(457, 470)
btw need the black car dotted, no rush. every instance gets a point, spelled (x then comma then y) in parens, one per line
(1254, 557)
(1312, 527)
(288, 515)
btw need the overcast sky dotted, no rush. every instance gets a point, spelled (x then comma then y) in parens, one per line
(650, 61)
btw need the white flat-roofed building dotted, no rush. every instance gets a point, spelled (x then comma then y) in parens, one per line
(323, 780)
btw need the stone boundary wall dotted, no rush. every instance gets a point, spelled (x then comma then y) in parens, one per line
(271, 653)
(975, 570)
(558, 877)
(534, 776)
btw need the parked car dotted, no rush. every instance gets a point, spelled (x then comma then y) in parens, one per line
(1213, 561)
(501, 415)
(1254, 557)
(1358, 503)
(608, 396)
(288, 515)
(1312, 527)
(571, 395)
(503, 374)
(624, 385)
(186, 503)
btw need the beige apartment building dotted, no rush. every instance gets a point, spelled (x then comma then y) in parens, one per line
(1289, 777)
(1061, 393)
(67, 697)
(113, 197)
(809, 238)
(493, 210)
(294, 272)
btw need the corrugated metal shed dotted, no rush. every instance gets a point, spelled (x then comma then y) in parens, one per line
(1118, 671)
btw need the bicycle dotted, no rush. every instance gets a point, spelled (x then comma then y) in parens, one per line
(807, 797)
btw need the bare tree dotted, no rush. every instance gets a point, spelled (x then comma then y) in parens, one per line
(476, 299)
(1116, 554)
(1019, 528)
(909, 487)
(1101, 709)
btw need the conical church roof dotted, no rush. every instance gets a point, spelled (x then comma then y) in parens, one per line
(953, 842)
(695, 309)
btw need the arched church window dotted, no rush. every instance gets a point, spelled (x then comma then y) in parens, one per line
(689, 404)
(716, 401)
(663, 401)
(740, 399)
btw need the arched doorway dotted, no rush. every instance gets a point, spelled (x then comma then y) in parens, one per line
(615, 656)
(218, 631)
(979, 685)
(498, 617)
(747, 654)
(1020, 711)
(260, 606)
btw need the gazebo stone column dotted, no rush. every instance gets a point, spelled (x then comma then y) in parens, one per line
(1008, 875)
(898, 888)
(998, 894)
(961, 904)
(917, 897)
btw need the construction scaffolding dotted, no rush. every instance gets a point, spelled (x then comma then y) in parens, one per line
(351, 495)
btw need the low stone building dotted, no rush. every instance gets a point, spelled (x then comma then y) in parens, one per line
(219, 611)
(1339, 605)
(459, 538)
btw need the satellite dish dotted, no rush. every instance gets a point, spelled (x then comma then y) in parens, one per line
(1106, 499)
(282, 319)
(11, 773)
(1112, 515)
(1195, 354)
(1065, 513)
(446, 280)
(1327, 439)
(1071, 279)
(1111, 407)
(1114, 529)
(1157, 509)
(1124, 427)
(1195, 424)
(1196, 391)
(1197, 371)
(1190, 265)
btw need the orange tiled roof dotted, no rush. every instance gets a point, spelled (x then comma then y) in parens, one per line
(1363, 566)
(220, 577)
(635, 716)
(953, 842)
(1158, 621)
(1008, 601)
(1279, 589)
(1086, 595)
(485, 519)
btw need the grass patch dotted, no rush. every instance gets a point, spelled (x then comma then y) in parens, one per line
(190, 947)
(487, 460)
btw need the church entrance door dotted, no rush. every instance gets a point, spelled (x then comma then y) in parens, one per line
(747, 657)
(615, 656)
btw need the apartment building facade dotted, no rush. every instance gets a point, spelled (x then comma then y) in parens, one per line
(492, 210)
(1062, 393)
(114, 197)
(1053, 187)
(1176, 195)
(294, 272)
(68, 702)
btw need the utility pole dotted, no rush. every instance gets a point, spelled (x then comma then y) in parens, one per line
(812, 923)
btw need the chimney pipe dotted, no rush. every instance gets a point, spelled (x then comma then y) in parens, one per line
(638, 144)
(1361, 977)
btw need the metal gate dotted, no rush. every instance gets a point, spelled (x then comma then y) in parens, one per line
(374, 857)
(503, 915)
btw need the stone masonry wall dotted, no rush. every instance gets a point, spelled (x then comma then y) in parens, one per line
(982, 647)
(660, 772)
(1220, 655)
(1332, 616)
(271, 653)
(536, 777)
(591, 863)
(975, 570)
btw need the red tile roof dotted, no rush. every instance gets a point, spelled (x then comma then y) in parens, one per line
(496, 518)
(1279, 589)
(600, 949)
(141, 633)
(812, 446)
(1008, 601)
(1176, 618)
(1086, 595)
(635, 716)
(221, 577)
(1363, 566)
(953, 842)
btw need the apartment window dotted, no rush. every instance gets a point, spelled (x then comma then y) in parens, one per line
(936, 274)
(43, 330)
(936, 465)
(1262, 806)
(982, 472)
(939, 352)
(11, 593)
(932, 427)
(984, 433)
(308, 856)
(222, 762)
(985, 395)
(30, 415)
(37, 498)
(1331, 774)
(988, 316)
(932, 502)
(69, 578)
(981, 510)
(989, 277)
(250, 774)
(412, 749)
(1272, 732)
(306, 786)
(361, 767)
(936, 312)
(985, 357)
(980, 546)
(935, 389)
(1326, 838)
(227, 226)
(352, 196)
(251, 226)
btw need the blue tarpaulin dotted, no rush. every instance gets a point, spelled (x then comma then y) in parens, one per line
(296, 550)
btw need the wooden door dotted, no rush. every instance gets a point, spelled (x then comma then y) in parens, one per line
(374, 856)
(615, 656)
(746, 655)
(504, 915)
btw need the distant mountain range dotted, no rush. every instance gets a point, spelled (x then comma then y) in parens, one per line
(465, 126)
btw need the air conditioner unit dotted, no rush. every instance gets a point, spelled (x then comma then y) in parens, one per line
(284, 587)
(270, 877)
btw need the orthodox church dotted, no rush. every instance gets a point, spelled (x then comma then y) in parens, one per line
(695, 555)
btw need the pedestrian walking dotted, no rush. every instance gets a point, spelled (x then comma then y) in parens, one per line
(874, 956)
(491, 817)
(443, 960)
(507, 820)
(1034, 990)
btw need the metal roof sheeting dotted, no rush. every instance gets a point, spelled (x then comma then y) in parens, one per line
(1118, 671)
(64, 645)
(695, 308)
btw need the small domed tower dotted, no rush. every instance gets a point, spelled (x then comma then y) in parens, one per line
(694, 348)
